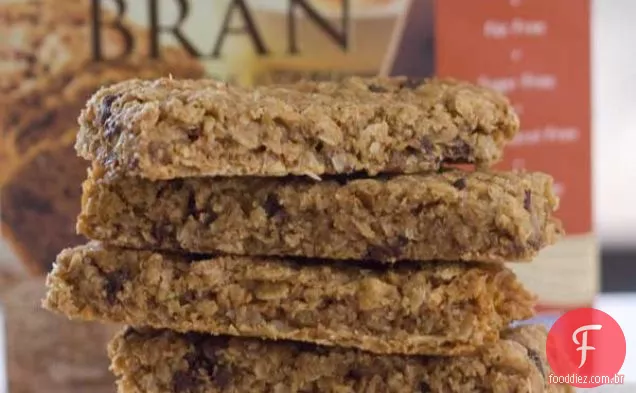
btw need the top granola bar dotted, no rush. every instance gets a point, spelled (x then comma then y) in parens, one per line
(167, 128)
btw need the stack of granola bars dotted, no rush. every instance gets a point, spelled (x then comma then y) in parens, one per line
(306, 238)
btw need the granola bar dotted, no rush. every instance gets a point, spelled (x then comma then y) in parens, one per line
(161, 361)
(169, 128)
(436, 309)
(456, 215)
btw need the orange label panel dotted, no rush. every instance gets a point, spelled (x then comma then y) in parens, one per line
(537, 52)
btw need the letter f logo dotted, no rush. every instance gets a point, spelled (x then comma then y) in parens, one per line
(584, 347)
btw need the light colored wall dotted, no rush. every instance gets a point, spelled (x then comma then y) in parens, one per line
(614, 120)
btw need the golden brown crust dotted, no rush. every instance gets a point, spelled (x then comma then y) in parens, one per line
(166, 362)
(470, 216)
(428, 309)
(169, 128)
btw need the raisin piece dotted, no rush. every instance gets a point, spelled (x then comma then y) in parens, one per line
(460, 184)
(111, 128)
(161, 233)
(272, 206)
(114, 284)
(527, 200)
(194, 133)
(222, 377)
(105, 110)
(183, 381)
(425, 387)
(425, 206)
(188, 297)
(458, 150)
(377, 89)
(427, 145)
(390, 252)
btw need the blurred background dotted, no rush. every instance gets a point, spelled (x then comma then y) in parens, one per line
(614, 135)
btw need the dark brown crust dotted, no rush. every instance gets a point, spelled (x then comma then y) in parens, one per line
(424, 309)
(166, 362)
(476, 216)
(177, 128)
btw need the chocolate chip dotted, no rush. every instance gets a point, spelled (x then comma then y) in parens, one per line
(527, 200)
(105, 112)
(427, 145)
(425, 206)
(14, 119)
(437, 281)
(383, 253)
(536, 358)
(114, 284)
(208, 218)
(133, 163)
(319, 146)
(460, 183)
(183, 381)
(188, 298)
(222, 377)
(377, 253)
(412, 83)
(111, 128)
(425, 387)
(161, 232)
(354, 374)
(192, 204)
(204, 357)
(129, 332)
(458, 150)
(377, 88)
(401, 241)
(194, 133)
(208, 349)
(411, 151)
(193, 360)
(199, 364)
(272, 206)
(535, 242)
(177, 184)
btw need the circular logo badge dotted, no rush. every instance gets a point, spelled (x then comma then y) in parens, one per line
(585, 348)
